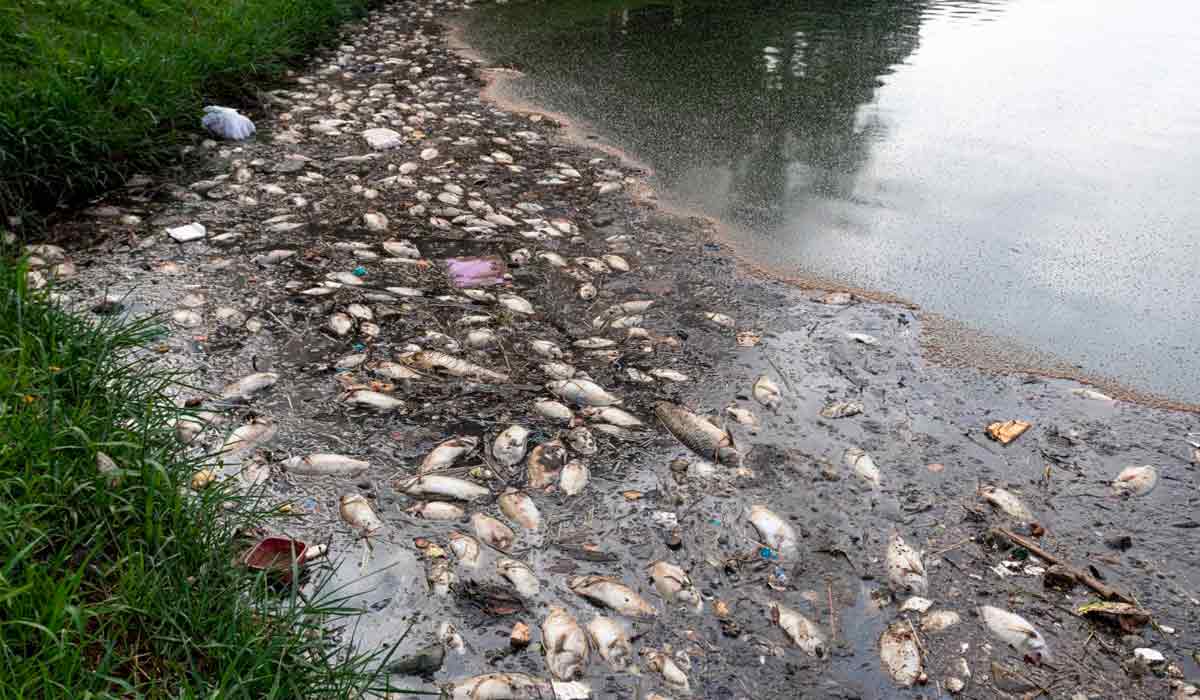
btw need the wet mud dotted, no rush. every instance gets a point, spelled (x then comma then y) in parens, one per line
(304, 184)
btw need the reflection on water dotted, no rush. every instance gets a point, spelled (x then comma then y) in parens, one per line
(1025, 167)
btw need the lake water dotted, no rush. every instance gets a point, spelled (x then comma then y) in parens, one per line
(1030, 168)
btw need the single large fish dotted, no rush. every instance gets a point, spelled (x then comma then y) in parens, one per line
(613, 594)
(434, 361)
(904, 567)
(803, 632)
(900, 654)
(611, 642)
(321, 464)
(1015, 631)
(697, 434)
(565, 645)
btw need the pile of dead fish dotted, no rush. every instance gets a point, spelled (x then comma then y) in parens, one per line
(422, 164)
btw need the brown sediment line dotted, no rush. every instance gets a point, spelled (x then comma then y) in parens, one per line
(943, 342)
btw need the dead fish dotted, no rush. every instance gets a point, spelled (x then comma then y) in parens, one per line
(249, 385)
(574, 478)
(254, 473)
(521, 509)
(611, 642)
(340, 323)
(360, 312)
(672, 674)
(916, 604)
(767, 392)
(863, 338)
(372, 399)
(188, 428)
(520, 576)
(697, 434)
(1015, 631)
(516, 304)
(673, 584)
(544, 463)
(479, 295)
(509, 448)
(803, 632)
(565, 645)
(613, 415)
(628, 308)
(545, 348)
(582, 392)
(436, 510)
(594, 343)
(904, 567)
(447, 453)
(669, 375)
(862, 465)
(615, 262)
(612, 594)
(1091, 394)
(357, 513)
(350, 361)
(720, 319)
(493, 532)
(939, 620)
(393, 370)
(743, 416)
(440, 340)
(774, 531)
(441, 577)
(401, 249)
(842, 409)
(514, 686)
(450, 637)
(441, 486)
(558, 370)
(587, 291)
(482, 339)
(1135, 481)
(553, 259)
(900, 654)
(580, 439)
(594, 265)
(434, 361)
(1007, 502)
(465, 548)
(186, 317)
(637, 375)
(553, 410)
(254, 434)
(322, 464)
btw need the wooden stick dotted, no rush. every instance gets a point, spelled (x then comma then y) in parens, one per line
(1104, 590)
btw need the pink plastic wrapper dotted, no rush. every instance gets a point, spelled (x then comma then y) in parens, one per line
(482, 271)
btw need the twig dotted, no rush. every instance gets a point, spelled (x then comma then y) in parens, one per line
(832, 619)
(952, 547)
(786, 382)
(1105, 591)
(917, 638)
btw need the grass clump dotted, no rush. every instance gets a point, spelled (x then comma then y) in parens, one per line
(94, 89)
(122, 583)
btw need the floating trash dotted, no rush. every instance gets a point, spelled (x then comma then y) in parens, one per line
(473, 272)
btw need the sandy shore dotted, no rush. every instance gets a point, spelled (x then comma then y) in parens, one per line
(358, 282)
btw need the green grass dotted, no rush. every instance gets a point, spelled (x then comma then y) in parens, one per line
(121, 584)
(94, 89)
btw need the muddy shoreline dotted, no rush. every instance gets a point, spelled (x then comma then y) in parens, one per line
(339, 314)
